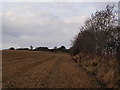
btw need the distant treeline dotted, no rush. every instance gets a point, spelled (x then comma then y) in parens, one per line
(55, 49)
(100, 35)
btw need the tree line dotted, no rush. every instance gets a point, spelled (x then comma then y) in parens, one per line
(55, 49)
(100, 34)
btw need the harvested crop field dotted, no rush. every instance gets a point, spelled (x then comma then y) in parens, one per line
(37, 69)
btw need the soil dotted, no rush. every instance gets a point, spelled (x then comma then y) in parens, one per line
(37, 69)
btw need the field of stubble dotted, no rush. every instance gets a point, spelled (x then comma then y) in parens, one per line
(37, 69)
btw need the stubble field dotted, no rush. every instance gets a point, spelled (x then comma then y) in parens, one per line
(37, 69)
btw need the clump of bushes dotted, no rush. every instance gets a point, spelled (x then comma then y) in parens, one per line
(100, 35)
(96, 48)
(12, 48)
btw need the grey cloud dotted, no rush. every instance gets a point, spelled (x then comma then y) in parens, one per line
(42, 24)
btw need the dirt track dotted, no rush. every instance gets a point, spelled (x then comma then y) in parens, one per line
(31, 69)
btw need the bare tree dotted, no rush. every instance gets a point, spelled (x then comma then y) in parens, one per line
(31, 47)
(98, 35)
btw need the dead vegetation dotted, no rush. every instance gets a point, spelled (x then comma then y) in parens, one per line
(105, 72)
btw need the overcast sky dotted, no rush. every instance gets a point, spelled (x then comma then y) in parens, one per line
(44, 23)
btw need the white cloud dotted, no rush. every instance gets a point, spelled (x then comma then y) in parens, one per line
(60, 0)
(43, 24)
(79, 20)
